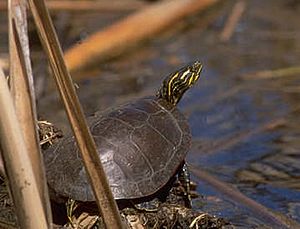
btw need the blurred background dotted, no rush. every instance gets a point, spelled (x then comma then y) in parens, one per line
(244, 111)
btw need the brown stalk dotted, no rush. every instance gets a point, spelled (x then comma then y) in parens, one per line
(22, 89)
(19, 171)
(231, 23)
(275, 219)
(273, 74)
(86, 144)
(3, 62)
(107, 6)
(138, 27)
(2, 171)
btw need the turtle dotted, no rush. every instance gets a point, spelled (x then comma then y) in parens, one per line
(141, 144)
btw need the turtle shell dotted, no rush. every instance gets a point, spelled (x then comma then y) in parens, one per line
(141, 146)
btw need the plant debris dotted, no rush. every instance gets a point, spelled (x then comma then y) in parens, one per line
(156, 212)
(48, 134)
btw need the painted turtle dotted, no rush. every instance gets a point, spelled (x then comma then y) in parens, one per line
(142, 144)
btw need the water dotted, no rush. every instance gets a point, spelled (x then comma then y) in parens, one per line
(263, 165)
(245, 130)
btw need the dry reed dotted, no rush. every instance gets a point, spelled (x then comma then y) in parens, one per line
(22, 89)
(19, 171)
(86, 144)
(127, 33)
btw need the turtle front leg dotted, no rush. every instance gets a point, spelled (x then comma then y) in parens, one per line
(185, 180)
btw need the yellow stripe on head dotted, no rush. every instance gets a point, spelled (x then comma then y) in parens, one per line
(170, 84)
(175, 85)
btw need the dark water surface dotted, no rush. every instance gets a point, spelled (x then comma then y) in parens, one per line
(264, 163)
(246, 131)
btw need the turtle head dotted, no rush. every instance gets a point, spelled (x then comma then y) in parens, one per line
(176, 84)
